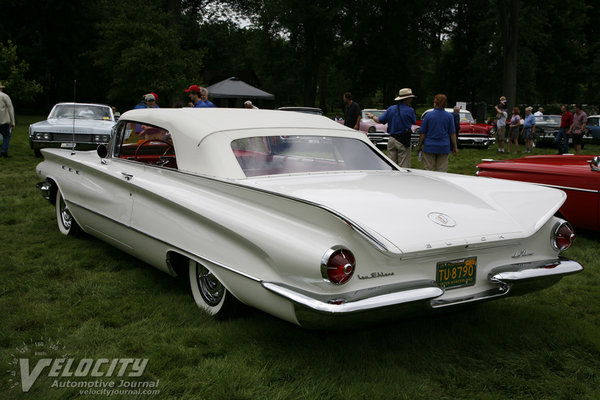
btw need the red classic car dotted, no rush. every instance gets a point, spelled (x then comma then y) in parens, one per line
(471, 133)
(578, 176)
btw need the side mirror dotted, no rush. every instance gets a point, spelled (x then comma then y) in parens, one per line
(102, 151)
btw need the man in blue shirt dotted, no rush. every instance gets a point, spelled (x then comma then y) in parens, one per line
(194, 93)
(438, 136)
(528, 129)
(204, 98)
(400, 119)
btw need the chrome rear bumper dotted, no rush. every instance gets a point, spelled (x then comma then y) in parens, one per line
(393, 301)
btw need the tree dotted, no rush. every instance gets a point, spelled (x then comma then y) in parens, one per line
(13, 74)
(509, 22)
(142, 53)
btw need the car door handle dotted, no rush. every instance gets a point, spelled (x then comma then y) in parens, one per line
(127, 176)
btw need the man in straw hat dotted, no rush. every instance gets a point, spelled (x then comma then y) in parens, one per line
(7, 120)
(400, 119)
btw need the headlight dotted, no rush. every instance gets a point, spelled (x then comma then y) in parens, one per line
(101, 138)
(337, 265)
(43, 136)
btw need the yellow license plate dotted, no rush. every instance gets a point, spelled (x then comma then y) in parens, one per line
(456, 273)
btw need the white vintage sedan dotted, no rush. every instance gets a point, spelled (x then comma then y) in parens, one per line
(81, 126)
(303, 218)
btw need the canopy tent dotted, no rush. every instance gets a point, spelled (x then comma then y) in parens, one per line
(233, 88)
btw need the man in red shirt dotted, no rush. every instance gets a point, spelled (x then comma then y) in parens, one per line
(564, 132)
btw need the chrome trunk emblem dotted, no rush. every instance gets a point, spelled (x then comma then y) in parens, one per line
(441, 219)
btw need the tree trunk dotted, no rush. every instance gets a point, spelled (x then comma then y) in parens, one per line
(509, 20)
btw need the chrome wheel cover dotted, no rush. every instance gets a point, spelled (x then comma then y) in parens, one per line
(211, 289)
(65, 215)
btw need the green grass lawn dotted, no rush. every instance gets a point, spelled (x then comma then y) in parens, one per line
(80, 298)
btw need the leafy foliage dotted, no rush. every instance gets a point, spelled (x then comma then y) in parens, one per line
(14, 72)
(309, 53)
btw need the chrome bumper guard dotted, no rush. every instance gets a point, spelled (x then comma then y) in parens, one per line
(45, 189)
(392, 301)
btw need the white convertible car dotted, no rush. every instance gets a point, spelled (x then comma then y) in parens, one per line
(303, 218)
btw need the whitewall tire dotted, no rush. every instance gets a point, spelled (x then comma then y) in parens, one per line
(66, 223)
(210, 294)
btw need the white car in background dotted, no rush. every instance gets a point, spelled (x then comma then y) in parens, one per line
(80, 126)
(303, 218)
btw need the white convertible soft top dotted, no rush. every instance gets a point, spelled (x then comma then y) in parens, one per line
(202, 136)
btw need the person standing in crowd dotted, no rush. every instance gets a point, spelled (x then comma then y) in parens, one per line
(528, 129)
(204, 98)
(437, 137)
(7, 120)
(578, 127)
(351, 112)
(539, 112)
(400, 119)
(151, 101)
(503, 103)
(501, 117)
(515, 128)
(194, 94)
(456, 116)
(562, 138)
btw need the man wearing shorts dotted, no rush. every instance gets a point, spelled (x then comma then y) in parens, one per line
(501, 128)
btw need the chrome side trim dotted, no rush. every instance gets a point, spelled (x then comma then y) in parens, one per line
(568, 188)
(361, 300)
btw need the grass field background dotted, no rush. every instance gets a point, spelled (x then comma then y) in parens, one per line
(80, 298)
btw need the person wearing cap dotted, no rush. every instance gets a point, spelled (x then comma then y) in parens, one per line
(528, 129)
(438, 137)
(149, 100)
(400, 119)
(503, 103)
(539, 112)
(7, 120)
(194, 94)
(501, 117)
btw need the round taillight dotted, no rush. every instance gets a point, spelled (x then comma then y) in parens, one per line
(338, 265)
(563, 236)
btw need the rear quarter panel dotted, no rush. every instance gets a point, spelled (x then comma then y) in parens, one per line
(578, 181)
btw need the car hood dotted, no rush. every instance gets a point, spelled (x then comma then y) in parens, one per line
(67, 125)
(419, 210)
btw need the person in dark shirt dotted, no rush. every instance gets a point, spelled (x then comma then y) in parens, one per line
(562, 138)
(351, 112)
